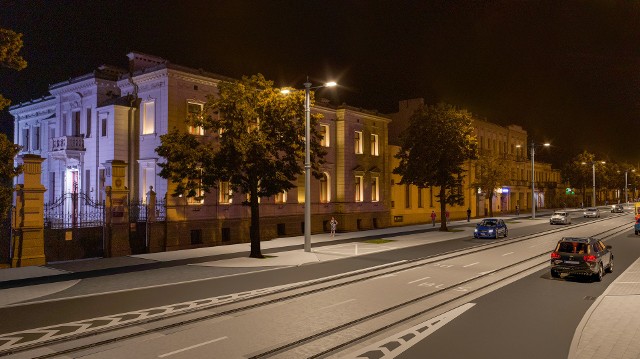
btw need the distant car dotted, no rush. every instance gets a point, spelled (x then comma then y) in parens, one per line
(617, 208)
(491, 228)
(636, 226)
(581, 256)
(592, 213)
(559, 217)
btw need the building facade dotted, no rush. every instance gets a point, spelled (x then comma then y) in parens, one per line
(117, 114)
(410, 205)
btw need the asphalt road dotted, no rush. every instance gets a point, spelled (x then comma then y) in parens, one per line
(534, 317)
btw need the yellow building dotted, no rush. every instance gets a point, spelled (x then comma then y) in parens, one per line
(412, 205)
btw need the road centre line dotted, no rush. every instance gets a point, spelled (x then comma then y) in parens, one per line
(418, 280)
(336, 304)
(191, 347)
(508, 253)
(469, 265)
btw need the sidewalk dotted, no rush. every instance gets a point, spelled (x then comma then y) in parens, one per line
(610, 329)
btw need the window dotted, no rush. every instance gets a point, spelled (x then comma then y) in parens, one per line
(199, 195)
(325, 189)
(104, 127)
(358, 189)
(194, 110)
(420, 204)
(148, 117)
(225, 193)
(36, 138)
(358, 142)
(375, 192)
(87, 181)
(281, 197)
(75, 125)
(374, 145)
(88, 129)
(407, 196)
(25, 139)
(324, 132)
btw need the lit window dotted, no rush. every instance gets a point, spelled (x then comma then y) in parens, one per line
(375, 193)
(281, 197)
(193, 110)
(374, 145)
(358, 142)
(358, 189)
(226, 193)
(324, 132)
(325, 189)
(199, 194)
(148, 117)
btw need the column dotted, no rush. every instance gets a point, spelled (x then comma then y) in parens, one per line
(117, 209)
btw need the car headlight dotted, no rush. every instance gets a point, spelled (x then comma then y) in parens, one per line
(491, 231)
(475, 230)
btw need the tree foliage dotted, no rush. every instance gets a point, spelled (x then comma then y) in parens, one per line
(10, 45)
(438, 141)
(490, 174)
(258, 147)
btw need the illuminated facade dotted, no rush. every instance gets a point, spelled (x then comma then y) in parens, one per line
(116, 114)
(414, 205)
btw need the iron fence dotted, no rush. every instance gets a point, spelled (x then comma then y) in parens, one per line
(74, 210)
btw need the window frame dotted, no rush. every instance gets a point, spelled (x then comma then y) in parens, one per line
(375, 145)
(148, 127)
(357, 142)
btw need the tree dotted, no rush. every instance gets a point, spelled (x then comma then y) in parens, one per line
(433, 149)
(10, 45)
(578, 172)
(259, 150)
(490, 174)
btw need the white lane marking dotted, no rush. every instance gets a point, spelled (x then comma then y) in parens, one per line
(418, 280)
(191, 347)
(627, 283)
(469, 265)
(508, 253)
(411, 336)
(336, 304)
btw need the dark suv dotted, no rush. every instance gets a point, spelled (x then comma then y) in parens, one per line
(581, 256)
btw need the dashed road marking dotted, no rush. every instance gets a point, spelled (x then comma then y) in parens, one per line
(469, 265)
(418, 280)
(337, 304)
(191, 347)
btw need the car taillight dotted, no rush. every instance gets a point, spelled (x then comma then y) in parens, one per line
(589, 258)
(555, 255)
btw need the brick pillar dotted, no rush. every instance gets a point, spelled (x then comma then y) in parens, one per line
(117, 210)
(28, 245)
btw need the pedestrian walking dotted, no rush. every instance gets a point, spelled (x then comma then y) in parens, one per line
(446, 215)
(468, 214)
(433, 218)
(517, 210)
(334, 224)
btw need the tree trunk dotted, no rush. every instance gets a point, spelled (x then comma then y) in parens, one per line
(254, 231)
(491, 205)
(443, 210)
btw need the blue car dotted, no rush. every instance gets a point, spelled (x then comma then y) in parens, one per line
(490, 228)
(636, 226)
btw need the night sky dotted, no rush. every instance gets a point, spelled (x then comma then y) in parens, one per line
(567, 71)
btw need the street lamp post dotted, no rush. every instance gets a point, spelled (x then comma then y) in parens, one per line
(307, 161)
(593, 169)
(533, 179)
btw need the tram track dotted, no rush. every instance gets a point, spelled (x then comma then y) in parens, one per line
(241, 304)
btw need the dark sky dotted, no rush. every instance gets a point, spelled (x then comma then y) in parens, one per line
(567, 71)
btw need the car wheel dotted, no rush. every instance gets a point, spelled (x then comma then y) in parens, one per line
(506, 233)
(554, 274)
(610, 267)
(636, 233)
(598, 276)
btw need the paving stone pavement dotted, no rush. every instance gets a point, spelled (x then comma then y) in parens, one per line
(611, 327)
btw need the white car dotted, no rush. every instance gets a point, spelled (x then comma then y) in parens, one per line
(559, 217)
(592, 213)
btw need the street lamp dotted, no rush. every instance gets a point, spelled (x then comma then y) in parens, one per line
(593, 167)
(307, 159)
(533, 177)
(626, 197)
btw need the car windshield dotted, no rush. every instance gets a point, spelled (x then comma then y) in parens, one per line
(591, 209)
(488, 222)
(572, 247)
(560, 214)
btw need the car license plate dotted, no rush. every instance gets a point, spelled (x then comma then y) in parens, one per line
(572, 262)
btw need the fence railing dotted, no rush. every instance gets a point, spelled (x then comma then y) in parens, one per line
(74, 210)
(138, 211)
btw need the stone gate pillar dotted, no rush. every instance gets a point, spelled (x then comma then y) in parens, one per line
(28, 241)
(117, 210)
